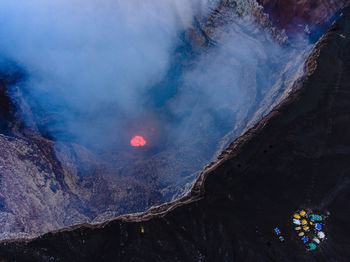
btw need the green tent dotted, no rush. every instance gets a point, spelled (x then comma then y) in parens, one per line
(312, 246)
(314, 217)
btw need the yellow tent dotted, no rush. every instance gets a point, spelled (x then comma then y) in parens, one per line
(296, 216)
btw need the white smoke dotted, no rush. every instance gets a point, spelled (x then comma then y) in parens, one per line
(81, 56)
(91, 65)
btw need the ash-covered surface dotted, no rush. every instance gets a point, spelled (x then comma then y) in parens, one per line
(295, 157)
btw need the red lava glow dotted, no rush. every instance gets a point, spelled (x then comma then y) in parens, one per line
(138, 141)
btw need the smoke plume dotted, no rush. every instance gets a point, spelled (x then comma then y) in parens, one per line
(102, 72)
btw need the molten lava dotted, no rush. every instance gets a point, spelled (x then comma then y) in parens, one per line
(138, 141)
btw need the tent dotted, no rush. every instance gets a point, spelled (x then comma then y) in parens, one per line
(304, 239)
(277, 231)
(321, 235)
(296, 221)
(318, 226)
(312, 246)
(314, 217)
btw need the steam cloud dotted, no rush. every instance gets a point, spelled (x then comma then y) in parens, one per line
(85, 58)
(91, 66)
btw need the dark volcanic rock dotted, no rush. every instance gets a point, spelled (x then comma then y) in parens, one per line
(294, 16)
(10, 123)
(295, 157)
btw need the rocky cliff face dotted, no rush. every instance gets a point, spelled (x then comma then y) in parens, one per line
(42, 188)
(311, 17)
(41, 192)
(295, 157)
(46, 185)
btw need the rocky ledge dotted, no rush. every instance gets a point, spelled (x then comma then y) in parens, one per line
(303, 16)
(295, 157)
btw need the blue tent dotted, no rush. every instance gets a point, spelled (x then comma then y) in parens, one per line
(277, 231)
(304, 239)
(318, 226)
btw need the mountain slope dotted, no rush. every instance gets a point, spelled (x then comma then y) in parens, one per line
(294, 16)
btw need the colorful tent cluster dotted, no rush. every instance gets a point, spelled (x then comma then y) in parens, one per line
(309, 228)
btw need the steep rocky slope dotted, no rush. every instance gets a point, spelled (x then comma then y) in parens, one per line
(46, 185)
(295, 157)
(41, 187)
(302, 16)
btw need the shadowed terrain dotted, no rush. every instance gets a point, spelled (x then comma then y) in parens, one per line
(294, 16)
